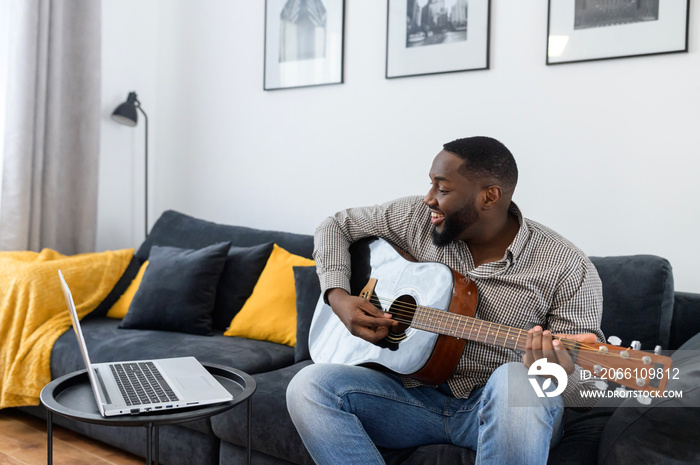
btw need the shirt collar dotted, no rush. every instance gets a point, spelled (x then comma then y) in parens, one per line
(513, 251)
(521, 238)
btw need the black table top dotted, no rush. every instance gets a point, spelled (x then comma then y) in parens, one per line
(71, 396)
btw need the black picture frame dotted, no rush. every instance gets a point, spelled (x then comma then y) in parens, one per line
(304, 43)
(591, 30)
(445, 37)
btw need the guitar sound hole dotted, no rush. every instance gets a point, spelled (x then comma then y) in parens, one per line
(403, 309)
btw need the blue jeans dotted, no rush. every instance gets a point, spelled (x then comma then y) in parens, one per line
(343, 412)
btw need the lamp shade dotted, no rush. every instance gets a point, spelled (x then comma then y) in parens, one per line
(125, 113)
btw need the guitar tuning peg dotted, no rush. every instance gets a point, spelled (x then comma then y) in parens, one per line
(614, 340)
(636, 345)
(644, 400)
(601, 385)
(657, 350)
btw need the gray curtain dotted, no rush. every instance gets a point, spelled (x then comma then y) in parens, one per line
(52, 133)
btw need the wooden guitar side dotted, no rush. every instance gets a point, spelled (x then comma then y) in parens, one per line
(448, 349)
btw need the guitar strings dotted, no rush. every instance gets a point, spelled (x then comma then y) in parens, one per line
(498, 338)
(588, 354)
(570, 343)
(408, 312)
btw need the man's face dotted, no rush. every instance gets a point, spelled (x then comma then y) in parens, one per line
(451, 199)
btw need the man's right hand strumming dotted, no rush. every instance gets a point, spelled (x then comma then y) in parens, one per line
(362, 319)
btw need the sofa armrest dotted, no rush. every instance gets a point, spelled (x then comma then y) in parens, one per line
(686, 318)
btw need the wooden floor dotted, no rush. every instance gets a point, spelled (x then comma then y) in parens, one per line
(23, 441)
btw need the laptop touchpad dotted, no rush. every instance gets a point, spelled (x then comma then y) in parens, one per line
(194, 383)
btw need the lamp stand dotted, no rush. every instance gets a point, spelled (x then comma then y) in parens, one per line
(145, 172)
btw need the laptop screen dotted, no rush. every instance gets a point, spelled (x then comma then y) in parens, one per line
(81, 340)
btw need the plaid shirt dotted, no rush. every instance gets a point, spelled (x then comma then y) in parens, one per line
(542, 279)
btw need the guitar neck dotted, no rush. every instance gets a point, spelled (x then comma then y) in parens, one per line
(602, 360)
(469, 328)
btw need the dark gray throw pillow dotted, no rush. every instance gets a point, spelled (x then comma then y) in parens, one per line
(241, 272)
(308, 289)
(666, 430)
(178, 290)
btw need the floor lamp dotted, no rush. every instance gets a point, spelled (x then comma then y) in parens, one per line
(126, 114)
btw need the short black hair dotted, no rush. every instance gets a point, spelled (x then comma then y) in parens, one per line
(485, 157)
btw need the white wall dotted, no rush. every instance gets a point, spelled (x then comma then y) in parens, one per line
(607, 150)
(4, 56)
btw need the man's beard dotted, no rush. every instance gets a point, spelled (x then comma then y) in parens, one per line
(454, 225)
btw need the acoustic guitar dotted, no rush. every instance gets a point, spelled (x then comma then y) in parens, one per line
(435, 307)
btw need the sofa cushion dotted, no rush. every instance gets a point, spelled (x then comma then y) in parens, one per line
(582, 432)
(178, 290)
(272, 429)
(179, 230)
(434, 454)
(308, 289)
(241, 272)
(270, 312)
(233, 454)
(107, 343)
(662, 432)
(637, 298)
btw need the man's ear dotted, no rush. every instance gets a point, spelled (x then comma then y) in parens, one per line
(491, 195)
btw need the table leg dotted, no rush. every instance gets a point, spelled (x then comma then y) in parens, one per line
(250, 434)
(49, 438)
(156, 452)
(149, 443)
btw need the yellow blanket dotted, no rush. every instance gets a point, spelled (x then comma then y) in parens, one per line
(33, 312)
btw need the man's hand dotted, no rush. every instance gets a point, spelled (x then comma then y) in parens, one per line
(362, 319)
(540, 344)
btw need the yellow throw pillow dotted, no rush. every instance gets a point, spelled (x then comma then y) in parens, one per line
(121, 306)
(270, 313)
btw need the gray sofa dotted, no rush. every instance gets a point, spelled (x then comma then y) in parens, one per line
(640, 304)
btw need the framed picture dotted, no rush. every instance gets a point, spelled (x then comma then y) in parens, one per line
(586, 30)
(436, 36)
(303, 43)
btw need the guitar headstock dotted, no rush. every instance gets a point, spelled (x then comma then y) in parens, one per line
(627, 367)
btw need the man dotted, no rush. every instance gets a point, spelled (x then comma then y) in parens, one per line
(527, 277)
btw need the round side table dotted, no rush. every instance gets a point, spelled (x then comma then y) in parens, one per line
(71, 396)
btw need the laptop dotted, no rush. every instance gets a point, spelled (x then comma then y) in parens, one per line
(146, 386)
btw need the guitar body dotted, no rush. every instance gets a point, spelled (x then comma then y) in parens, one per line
(426, 356)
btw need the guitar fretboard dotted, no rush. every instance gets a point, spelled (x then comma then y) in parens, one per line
(472, 329)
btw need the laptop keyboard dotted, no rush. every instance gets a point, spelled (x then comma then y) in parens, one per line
(142, 383)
